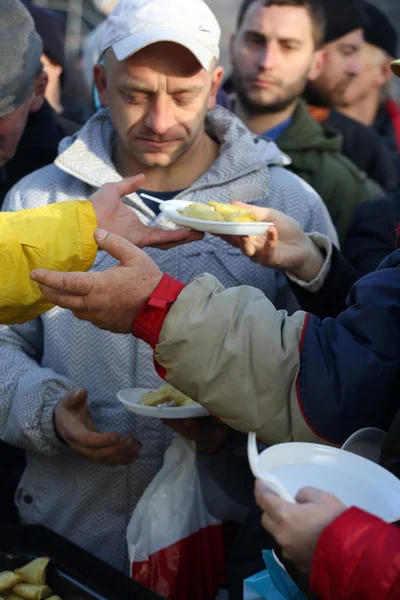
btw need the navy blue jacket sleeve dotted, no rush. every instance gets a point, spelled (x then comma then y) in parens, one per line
(349, 374)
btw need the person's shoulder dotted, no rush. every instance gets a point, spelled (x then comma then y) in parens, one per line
(287, 185)
(385, 209)
(358, 130)
(295, 197)
(343, 172)
(37, 189)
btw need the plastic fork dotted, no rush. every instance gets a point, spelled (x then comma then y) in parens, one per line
(270, 480)
(152, 198)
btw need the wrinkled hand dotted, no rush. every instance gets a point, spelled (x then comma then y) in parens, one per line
(74, 424)
(285, 245)
(109, 299)
(115, 217)
(297, 527)
(208, 433)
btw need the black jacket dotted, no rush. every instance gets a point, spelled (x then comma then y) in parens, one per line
(363, 146)
(371, 238)
(38, 146)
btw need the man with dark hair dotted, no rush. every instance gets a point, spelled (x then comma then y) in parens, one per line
(346, 21)
(313, 7)
(275, 51)
(368, 98)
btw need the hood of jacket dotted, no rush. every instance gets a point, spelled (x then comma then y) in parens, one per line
(87, 156)
(306, 134)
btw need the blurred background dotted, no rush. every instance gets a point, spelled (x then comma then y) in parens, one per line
(81, 16)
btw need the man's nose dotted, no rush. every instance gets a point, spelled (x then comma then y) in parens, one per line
(354, 65)
(160, 116)
(269, 56)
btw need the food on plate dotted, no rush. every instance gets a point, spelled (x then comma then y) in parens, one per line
(197, 210)
(238, 217)
(27, 582)
(34, 572)
(218, 211)
(30, 591)
(227, 209)
(166, 396)
(8, 579)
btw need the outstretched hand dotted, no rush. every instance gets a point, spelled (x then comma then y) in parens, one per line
(109, 299)
(285, 246)
(113, 216)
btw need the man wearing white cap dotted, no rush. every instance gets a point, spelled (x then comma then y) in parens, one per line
(159, 82)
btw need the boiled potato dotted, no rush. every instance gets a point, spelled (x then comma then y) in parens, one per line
(34, 572)
(226, 209)
(54, 598)
(167, 395)
(197, 210)
(12, 597)
(30, 591)
(8, 579)
(241, 217)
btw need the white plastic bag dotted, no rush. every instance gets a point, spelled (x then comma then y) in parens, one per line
(176, 548)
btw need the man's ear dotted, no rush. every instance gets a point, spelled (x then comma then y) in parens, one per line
(215, 85)
(385, 72)
(39, 91)
(100, 79)
(318, 65)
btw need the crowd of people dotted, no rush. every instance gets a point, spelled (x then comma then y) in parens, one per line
(292, 334)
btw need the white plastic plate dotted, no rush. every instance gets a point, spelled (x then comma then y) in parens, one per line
(355, 480)
(171, 207)
(130, 398)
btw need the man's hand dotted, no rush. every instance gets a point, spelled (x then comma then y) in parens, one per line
(297, 527)
(76, 427)
(208, 433)
(285, 246)
(115, 217)
(109, 299)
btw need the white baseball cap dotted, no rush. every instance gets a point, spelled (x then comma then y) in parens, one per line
(396, 67)
(135, 24)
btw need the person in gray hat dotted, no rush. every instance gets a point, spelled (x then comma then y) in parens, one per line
(29, 132)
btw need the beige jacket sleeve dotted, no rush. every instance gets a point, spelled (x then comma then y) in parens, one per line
(233, 352)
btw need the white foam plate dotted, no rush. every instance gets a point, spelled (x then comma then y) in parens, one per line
(171, 207)
(130, 398)
(355, 480)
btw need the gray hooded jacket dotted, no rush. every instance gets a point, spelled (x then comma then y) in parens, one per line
(91, 503)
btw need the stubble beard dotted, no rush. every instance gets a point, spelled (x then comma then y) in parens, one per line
(258, 107)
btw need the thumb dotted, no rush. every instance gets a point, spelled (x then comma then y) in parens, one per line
(118, 247)
(129, 185)
(308, 495)
(75, 399)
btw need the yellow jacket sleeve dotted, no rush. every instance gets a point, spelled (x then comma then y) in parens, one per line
(58, 237)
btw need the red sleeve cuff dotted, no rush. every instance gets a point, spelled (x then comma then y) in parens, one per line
(356, 554)
(150, 319)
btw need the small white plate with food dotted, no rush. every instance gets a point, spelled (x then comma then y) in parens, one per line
(215, 217)
(165, 403)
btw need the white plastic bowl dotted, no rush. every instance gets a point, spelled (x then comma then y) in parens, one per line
(366, 442)
(356, 481)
